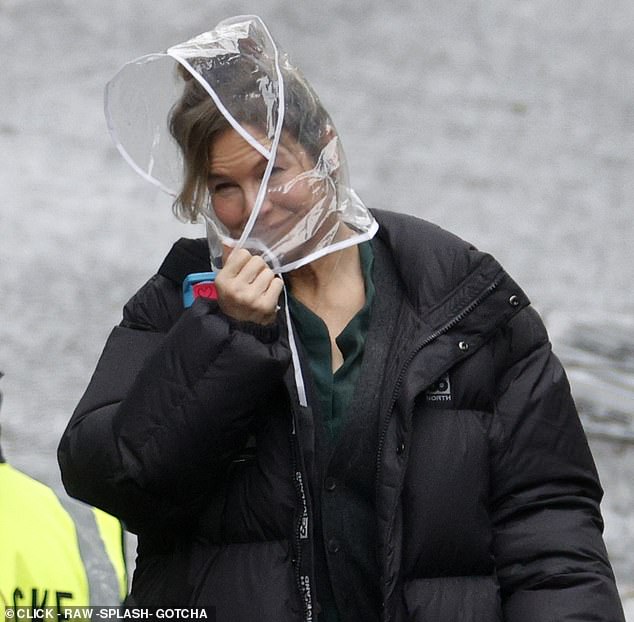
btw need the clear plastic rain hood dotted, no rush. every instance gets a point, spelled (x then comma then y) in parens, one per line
(179, 117)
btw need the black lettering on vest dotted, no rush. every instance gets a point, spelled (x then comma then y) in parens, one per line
(17, 593)
(59, 597)
(34, 602)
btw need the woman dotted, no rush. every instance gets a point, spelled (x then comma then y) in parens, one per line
(353, 429)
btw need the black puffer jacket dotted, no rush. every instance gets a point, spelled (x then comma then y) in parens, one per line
(487, 496)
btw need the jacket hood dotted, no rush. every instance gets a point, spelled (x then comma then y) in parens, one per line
(236, 77)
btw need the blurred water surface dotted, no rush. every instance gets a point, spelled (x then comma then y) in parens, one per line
(511, 124)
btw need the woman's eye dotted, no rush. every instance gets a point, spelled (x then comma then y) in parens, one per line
(222, 187)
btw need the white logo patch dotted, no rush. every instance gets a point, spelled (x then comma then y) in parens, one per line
(440, 391)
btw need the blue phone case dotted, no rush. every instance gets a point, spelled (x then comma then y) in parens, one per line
(192, 283)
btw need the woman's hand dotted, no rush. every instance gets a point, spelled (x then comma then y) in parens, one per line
(248, 290)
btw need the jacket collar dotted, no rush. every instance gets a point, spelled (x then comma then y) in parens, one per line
(430, 261)
(440, 274)
(439, 271)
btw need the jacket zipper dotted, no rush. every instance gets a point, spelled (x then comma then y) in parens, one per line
(432, 337)
(300, 492)
(297, 552)
(302, 582)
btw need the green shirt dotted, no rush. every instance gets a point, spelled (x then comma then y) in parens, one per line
(335, 390)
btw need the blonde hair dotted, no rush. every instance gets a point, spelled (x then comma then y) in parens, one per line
(194, 122)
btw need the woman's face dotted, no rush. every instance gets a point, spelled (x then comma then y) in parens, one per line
(235, 174)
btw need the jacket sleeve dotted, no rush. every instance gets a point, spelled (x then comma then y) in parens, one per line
(550, 557)
(166, 410)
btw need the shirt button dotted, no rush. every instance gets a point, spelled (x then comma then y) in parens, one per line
(333, 545)
(330, 484)
(400, 448)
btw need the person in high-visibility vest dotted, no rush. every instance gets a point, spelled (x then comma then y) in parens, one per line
(55, 552)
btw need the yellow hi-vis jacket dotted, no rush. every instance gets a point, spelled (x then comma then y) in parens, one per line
(54, 551)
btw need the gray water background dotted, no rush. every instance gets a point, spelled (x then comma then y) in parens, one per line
(510, 123)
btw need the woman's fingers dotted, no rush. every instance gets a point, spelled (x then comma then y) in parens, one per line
(272, 294)
(260, 284)
(235, 261)
(252, 270)
(248, 290)
(244, 266)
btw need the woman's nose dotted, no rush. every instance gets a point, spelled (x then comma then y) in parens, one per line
(250, 199)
